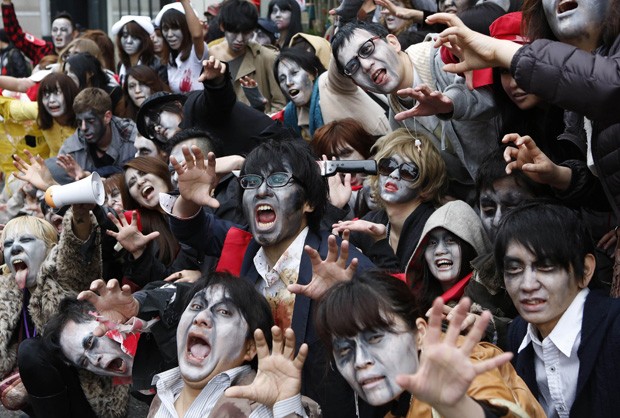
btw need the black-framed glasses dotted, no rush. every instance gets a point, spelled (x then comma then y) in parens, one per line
(365, 51)
(274, 180)
(406, 171)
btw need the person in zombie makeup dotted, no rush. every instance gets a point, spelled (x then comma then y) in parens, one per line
(410, 180)
(140, 84)
(39, 273)
(63, 32)
(247, 59)
(565, 339)
(286, 14)
(160, 116)
(283, 199)
(103, 142)
(397, 361)
(460, 122)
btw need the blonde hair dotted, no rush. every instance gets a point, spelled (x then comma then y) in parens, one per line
(38, 227)
(433, 176)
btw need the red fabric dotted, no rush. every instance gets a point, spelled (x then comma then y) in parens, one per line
(278, 116)
(128, 214)
(481, 78)
(400, 276)
(34, 48)
(233, 251)
(33, 91)
(455, 293)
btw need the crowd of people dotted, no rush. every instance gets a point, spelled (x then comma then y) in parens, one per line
(413, 213)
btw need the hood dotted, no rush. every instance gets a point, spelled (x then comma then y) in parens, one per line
(460, 219)
(322, 47)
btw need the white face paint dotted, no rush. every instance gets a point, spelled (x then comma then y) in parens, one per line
(99, 355)
(158, 42)
(211, 337)
(23, 254)
(145, 188)
(394, 23)
(138, 92)
(295, 82)
(62, 33)
(115, 201)
(443, 256)
(282, 18)
(54, 102)
(145, 147)
(167, 126)
(380, 71)
(260, 37)
(237, 41)
(576, 21)
(130, 44)
(371, 360)
(448, 6)
(393, 188)
(174, 37)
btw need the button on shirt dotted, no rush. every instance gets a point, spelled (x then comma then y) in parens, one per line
(556, 361)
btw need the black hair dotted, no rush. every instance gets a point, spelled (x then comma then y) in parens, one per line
(294, 26)
(372, 300)
(65, 15)
(306, 60)
(251, 304)
(548, 230)
(238, 16)
(346, 32)
(88, 70)
(282, 153)
(208, 143)
(69, 90)
(176, 20)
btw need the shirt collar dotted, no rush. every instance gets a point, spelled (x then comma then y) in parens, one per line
(290, 258)
(173, 381)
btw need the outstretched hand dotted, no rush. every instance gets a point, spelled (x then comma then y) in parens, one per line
(279, 372)
(196, 180)
(113, 302)
(429, 102)
(35, 173)
(329, 272)
(68, 163)
(129, 236)
(375, 230)
(212, 70)
(446, 370)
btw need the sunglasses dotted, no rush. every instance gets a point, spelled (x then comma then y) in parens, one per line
(274, 180)
(406, 171)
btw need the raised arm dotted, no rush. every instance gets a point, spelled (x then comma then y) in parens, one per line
(195, 28)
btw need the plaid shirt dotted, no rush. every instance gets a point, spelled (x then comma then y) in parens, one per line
(33, 48)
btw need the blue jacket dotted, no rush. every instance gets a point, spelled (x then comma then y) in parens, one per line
(598, 382)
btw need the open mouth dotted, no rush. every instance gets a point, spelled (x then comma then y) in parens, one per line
(21, 272)
(198, 348)
(293, 92)
(444, 264)
(265, 216)
(566, 6)
(146, 191)
(117, 366)
(379, 76)
(390, 187)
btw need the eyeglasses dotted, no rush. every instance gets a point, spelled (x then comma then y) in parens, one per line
(274, 180)
(365, 51)
(406, 171)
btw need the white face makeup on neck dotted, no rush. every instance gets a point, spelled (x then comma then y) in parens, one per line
(380, 71)
(295, 82)
(576, 22)
(99, 355)
(24, 254)
(62, 33)
(393, 188)
(145, 188)
(443, 255)
(371, 360)
(54, 102)
(130, 44)
(282, 18)
(211, 337)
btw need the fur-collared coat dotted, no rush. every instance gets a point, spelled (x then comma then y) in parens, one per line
(70, 267)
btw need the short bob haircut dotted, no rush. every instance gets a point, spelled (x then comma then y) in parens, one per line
(550, 231)
(146, 53)
(294, 155)
(38, 227)
(372, 300)
(87, 69)
(145, 75)
(51, 83)
(346, 32)
(238, 16)
(173, 19)
(306, 60)
(433, 176)
(295, 26)
(94, 99)
(251, 304)
(330, 138)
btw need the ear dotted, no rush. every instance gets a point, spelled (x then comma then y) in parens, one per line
(250, 350)
(308, 208)
(222, 27)
(393, 42)
(589, 265)
(421, 327)
(107, 117)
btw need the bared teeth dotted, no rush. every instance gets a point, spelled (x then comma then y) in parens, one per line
(565, 6)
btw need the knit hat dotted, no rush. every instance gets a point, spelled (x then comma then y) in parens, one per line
(143, 21)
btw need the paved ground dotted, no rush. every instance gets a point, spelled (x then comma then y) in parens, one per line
(137, 409)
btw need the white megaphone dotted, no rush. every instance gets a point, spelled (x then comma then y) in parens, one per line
(88, 190)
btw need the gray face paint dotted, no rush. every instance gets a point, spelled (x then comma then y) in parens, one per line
(444, 256)
(282, 18)
(211, 336)
(54, 102)
(23, 254)
(393, 189)
(237, 41)
(130, 44)
(574, 21)
(371, 360)
(295, 82)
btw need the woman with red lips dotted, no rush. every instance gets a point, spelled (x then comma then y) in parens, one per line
(153, 252)
(411, 177)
